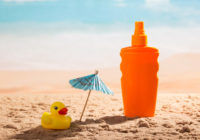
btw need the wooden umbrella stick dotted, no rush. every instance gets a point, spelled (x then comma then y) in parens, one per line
(85, 105)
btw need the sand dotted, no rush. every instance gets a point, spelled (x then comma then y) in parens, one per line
(25, 95)
(177, 117)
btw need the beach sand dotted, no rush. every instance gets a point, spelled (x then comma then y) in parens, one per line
(25, 95)
(177, 117)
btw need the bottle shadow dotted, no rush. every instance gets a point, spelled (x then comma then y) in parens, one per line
(75, 129)
(110, 120)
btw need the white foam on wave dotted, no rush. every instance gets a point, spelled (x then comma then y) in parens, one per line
(87, 50)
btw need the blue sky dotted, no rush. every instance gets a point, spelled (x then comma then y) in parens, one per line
(102, 12)
(85, 34)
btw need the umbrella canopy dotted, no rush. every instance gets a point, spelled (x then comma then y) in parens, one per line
(90, 82)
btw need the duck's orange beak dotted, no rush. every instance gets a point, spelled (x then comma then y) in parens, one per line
(63, 111)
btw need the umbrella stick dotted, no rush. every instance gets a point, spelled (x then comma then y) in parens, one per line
(85, 105)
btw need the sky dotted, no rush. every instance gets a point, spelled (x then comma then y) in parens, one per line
(77, 34)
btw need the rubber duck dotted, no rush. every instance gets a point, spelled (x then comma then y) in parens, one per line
(56, 119)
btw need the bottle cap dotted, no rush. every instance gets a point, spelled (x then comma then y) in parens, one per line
(139, 39)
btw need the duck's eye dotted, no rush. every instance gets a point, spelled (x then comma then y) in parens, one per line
(55, 107)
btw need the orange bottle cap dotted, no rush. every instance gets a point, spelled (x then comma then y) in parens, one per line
(139, 39)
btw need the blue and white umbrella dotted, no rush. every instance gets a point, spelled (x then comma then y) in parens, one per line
(90, 82)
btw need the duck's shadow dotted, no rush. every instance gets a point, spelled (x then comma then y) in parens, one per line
(75, 129)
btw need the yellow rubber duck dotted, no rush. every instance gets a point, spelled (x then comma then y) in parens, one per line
(56, 119)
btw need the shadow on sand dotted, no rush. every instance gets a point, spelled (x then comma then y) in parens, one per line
(110, 120)
(75, 129)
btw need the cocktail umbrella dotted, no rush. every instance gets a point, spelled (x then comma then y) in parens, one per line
(90, 82)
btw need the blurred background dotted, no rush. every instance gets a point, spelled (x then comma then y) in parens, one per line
(78, 35)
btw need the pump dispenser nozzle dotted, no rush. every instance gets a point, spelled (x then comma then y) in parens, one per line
(139, 39)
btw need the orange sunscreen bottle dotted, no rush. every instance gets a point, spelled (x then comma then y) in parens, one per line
(139, 80)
